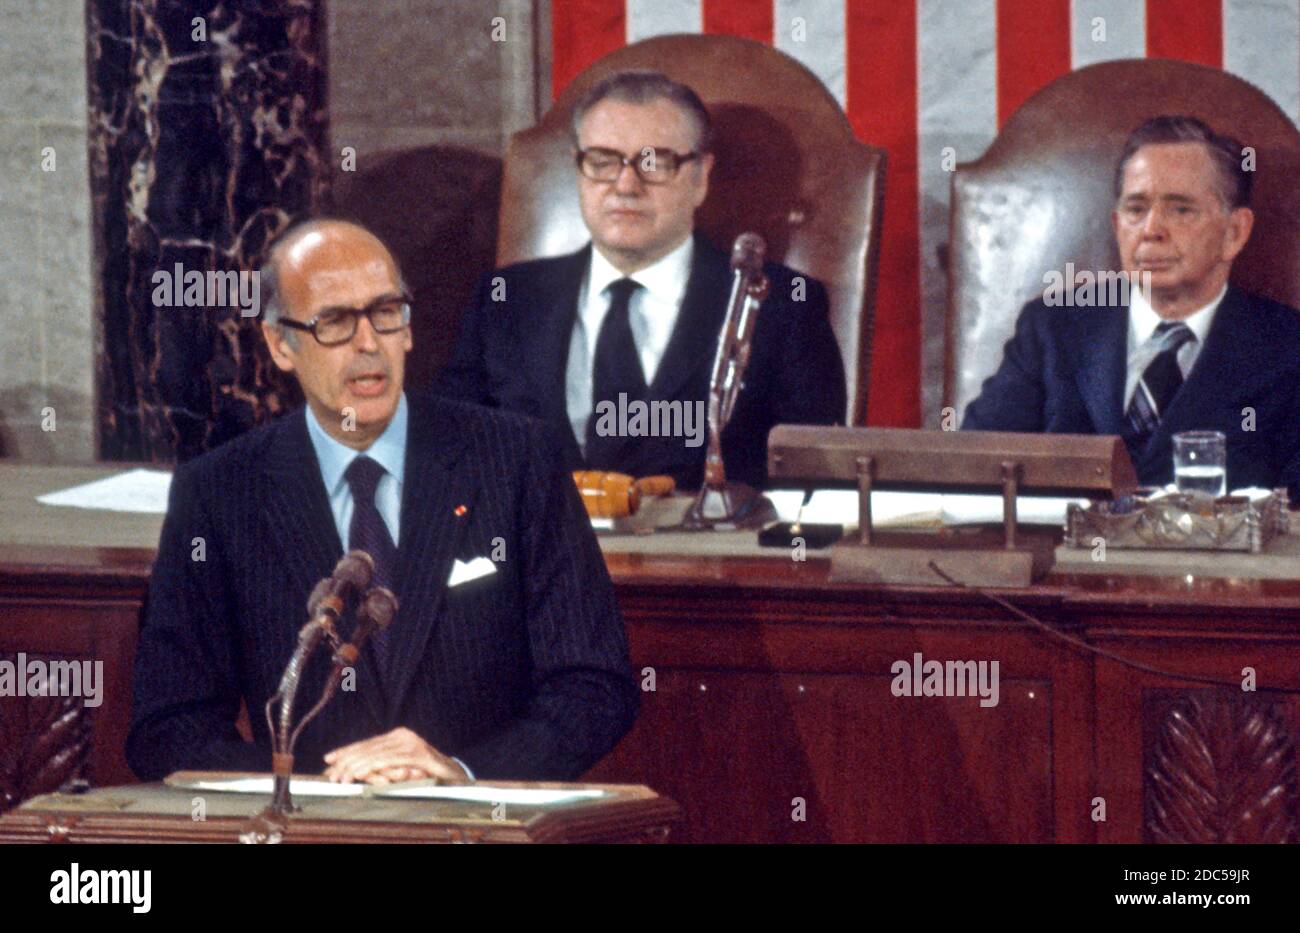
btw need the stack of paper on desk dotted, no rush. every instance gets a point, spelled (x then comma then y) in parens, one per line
(840, 507)
(132, 491)
(916, 509)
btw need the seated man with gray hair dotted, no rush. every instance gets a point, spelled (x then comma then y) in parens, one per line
(1189, 351)
(635, 315)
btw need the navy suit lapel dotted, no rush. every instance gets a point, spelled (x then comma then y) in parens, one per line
(306, 544)
(431, 530)
(550, 335)
(1218, 373)
(295, 484)
(695, 335)
(1101, 341)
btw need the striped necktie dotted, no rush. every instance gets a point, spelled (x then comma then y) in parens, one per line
(1160, 382)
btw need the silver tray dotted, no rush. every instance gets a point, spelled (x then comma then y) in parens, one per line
(1176, 521)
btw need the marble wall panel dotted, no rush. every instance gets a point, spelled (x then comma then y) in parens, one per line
(208, 123)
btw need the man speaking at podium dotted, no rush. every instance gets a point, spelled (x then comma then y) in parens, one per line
(637, 313)
(1189, 351)
(507, 658)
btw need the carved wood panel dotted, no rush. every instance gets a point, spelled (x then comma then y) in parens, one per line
(1220, 766)
(44, 740)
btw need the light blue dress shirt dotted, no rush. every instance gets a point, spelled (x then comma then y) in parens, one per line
(388, 450)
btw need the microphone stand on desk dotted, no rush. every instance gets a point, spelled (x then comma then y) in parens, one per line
(326, 606)
(719, 503)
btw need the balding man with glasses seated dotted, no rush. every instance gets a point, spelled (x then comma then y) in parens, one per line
(635, 315)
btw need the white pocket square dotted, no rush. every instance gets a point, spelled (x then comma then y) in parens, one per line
(462, 572)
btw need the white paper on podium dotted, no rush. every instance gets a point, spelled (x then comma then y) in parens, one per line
(479, 793)
(137, 490)
(415, 790)
(299, 787)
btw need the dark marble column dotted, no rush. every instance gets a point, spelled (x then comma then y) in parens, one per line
(206, 139)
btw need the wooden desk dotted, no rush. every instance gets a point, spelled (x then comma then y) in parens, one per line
(771, 716)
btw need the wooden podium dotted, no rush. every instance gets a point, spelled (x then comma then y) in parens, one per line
(161, 813)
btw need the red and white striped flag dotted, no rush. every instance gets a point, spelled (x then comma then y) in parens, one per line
(916, 76)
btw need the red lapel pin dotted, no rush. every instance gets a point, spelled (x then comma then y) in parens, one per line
(461, 511)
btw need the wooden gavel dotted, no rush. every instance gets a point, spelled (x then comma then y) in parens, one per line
(617, 495)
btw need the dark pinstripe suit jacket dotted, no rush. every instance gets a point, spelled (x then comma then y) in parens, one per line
(521, 674)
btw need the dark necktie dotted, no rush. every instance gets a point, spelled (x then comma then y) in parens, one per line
(367, 531)
(616, 368)
(1160, 382)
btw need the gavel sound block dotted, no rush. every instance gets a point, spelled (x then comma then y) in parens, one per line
(617, 495)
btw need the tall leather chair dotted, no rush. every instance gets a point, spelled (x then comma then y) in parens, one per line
(1042, 194)
(788, 167)
(436, 208)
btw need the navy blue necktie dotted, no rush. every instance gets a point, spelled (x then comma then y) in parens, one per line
(367, 531)
(616, 369)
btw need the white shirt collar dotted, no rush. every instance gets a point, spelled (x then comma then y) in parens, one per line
(1143, 319)
(665, 279)
(388, 449)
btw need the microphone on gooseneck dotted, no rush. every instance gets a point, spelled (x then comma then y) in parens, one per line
(379, 607)
(374, 614)
(351, 575)
(325, 607)
(747, 254)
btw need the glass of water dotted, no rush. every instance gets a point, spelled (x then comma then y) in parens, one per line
(1201, 462)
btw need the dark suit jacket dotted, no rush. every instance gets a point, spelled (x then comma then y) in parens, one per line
(521, 674)
(512, 354)
(1064, 370)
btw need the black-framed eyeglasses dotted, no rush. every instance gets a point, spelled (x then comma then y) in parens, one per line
(652, 165)
(387, 315)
